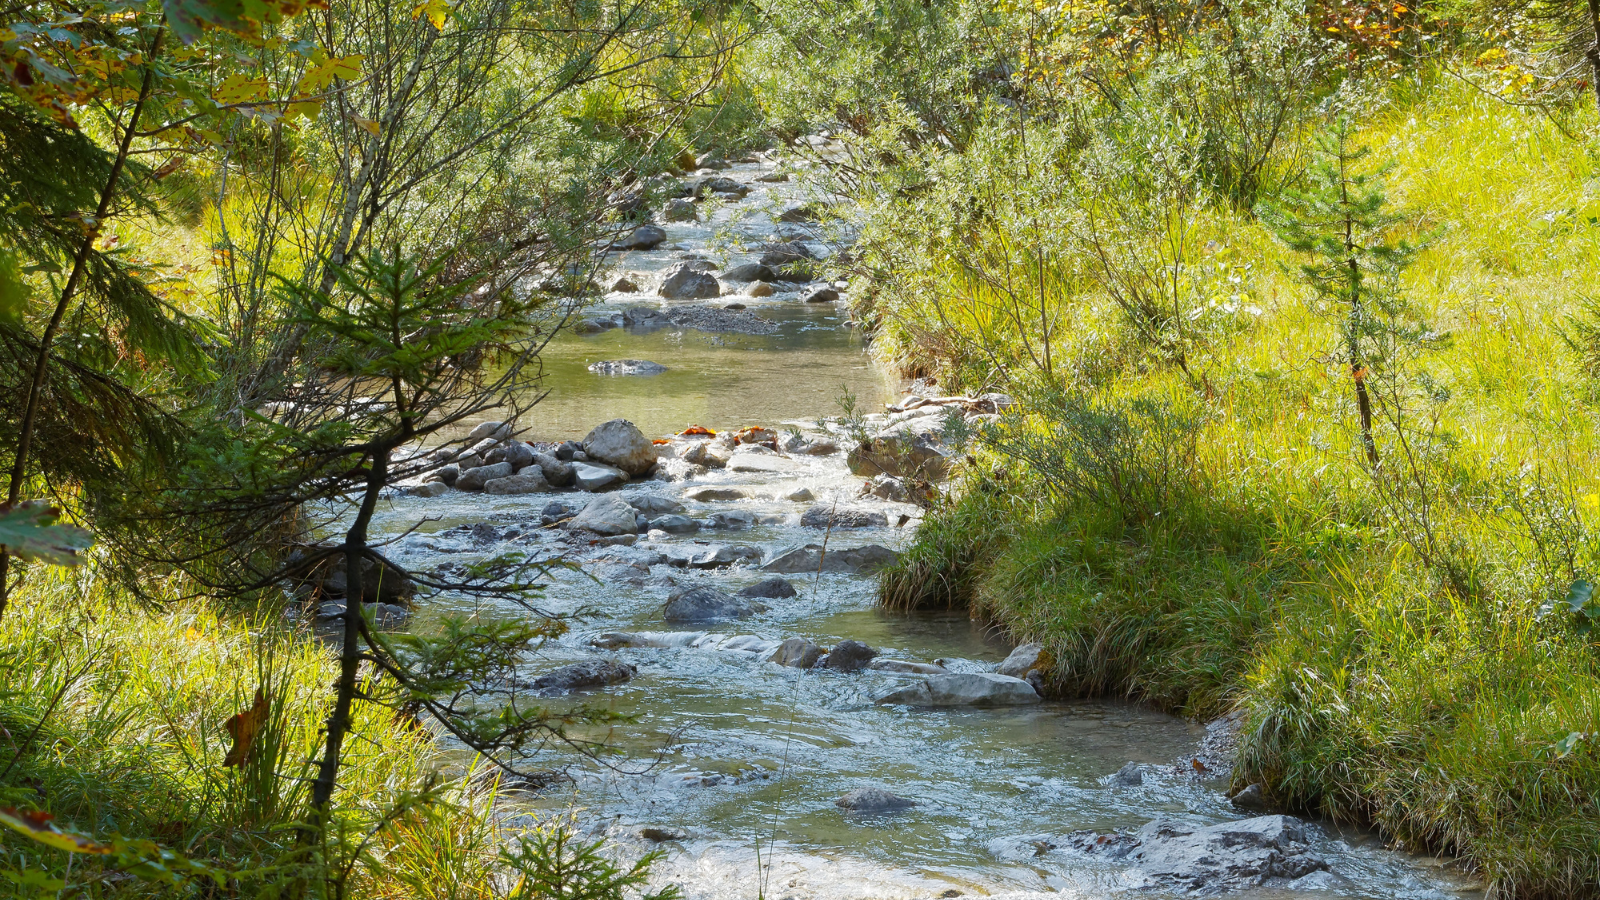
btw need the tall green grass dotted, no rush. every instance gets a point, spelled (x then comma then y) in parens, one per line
(1397, 660)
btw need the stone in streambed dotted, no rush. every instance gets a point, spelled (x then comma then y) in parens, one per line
(620, 443)
(824, 515)
(430, 489)
(474, 479)
(850, 656)
(660, 640)
(627, 367)
(579, 676)
(811, 558)
(645, 237)
(750, 272)
(796, 653)
(1266, 850)
(684, 281)
(588, 476)
(528, 481)
(498, 431)
(1130, 775)
(775, 588)
(655, 504)
(556, 472)
(705, 604)
(675, 525)
(981, 689)
(518, 453)
(1026, 658)
(715, 494)
(873, 800)
(819, 293)
(724, 556)
(606, 515)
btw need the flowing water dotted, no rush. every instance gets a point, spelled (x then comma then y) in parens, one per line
(745, 758)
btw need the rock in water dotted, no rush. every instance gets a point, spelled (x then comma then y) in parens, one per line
(430, 489)
(820, 515)
(850, 656)
(1251, 797)
(964, 689)
(1025, 659)
(591, 477)
(680, 210)
(558, 473)
(1260, 851)
(775, 588)
(519, 454)
(1130, 775)
(528, 481)
(721, 557)
(655, 504)
(685, 282)
(591, 674)
(750, 272)
(854, 560)
(659, 835)
(712, 494)
(873, 800)
(497, 430)
(819, 293)
(796, 653)
(621, 444)
(705, 604)
(910, 449)
(627, 367)
(645, 237)
(608, 514)
(475, 479)
(675, 524)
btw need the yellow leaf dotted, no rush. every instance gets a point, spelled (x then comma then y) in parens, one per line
(319, 76)
(192, 634)
(243, 728)
(303, 109)
(368, 124)
(237, 88)
(435, 10)
(7, 34)
(38, 825)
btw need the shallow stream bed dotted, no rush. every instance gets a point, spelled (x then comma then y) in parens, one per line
(741, 760)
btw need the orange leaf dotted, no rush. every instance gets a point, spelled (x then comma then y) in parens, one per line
(37, 824)
(244, 727)
(368, 124)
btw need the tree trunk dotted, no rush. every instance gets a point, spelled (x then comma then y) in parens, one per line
(69, 292)
(1358, 369)
(355, 545)
(1594, 48)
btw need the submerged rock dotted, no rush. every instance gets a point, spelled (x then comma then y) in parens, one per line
(775, 588)
(852, 560)
(873, 800)
(796, 653)
(627, 367)
(589, 674)
(1130, 775)
(715, 494)
(705, 604)
(724, 556)
(824, 515)
(964, 689)
(675, 524)
(1267, 850)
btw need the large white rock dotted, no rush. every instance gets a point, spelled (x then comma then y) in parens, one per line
(964, 689)
(607, 514)
(1266, 850)
(621, 444)
(499, 431)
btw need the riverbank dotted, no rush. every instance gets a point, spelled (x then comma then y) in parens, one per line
(1410, 650)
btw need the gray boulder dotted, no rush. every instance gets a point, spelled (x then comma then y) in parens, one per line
(981, 689)
(1130, 775)
(588, 476)
(724, 556)
(430, 489)
(447, 474)
(749, 272)
(850, 656)
(558, 473)
(518, 453)
(819, 293)
(680, 210)
(914, 448)
(685, 282)
(655, 504)
(824, 514)
(775, 588)
(620, 443)
(1252, 796)
(721, 184)
(1023, 660)
(645, 237)
(853, 560)
(1267, 851)
(705, 604)
(528, 481)
(589, 674)
(714, 494)
(606, 514)
(498, 431)
(796, 653)
(675, 524)
(474, 479)
(873, 800)
(906, 667)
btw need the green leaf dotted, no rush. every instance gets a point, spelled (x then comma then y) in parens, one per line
(13, 290)
(29, 530)
(1579, 595)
